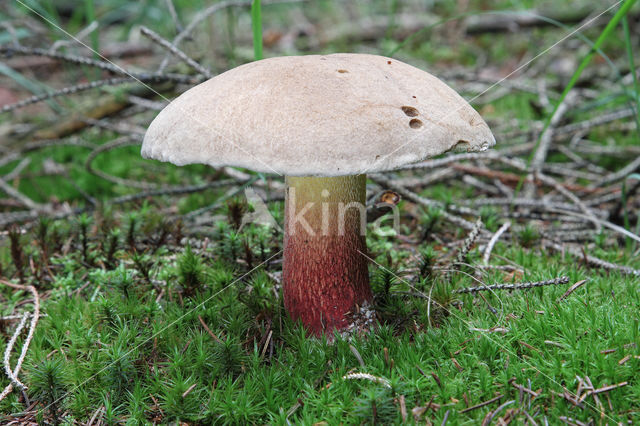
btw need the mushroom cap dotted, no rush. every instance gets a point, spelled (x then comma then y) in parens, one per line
(316, 115)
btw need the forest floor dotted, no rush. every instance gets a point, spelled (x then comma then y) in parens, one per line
(132, 292)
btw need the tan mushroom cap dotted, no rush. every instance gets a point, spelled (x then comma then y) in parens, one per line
(330, 115)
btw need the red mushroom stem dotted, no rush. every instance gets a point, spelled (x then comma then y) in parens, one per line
(325, 272)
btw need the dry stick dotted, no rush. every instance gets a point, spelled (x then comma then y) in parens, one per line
(106, 66)
(23, 199)
(516, 286)
(81, 60)
(175, 51)
(511, 177)
(16, 317)
(8, 218)
(482, 404)
(208, 12)
(546, 138)
(13, 174)
(66, 91)
(146, 103)
(7, 358)
(542, 205)
(613, 196)
(177, 190)
(605, 223)
(95, 415)
(592, 148)
(494, 239)
(477, 183)
(432, 164)
(174, 15)
(186, 32)
(521, 388)
(464, 250)
(427, 179)
(608, 388)
(583, 126)
(25, 345)
(489, 417)
(592, 259)
(572, 197)
(216, 338)
(365, 376)
(413, 197)
(446, 417)
(33, 146)
(620, 174)
(121, 128)
(571, 289)
(568, 170)
(581, 161)
(188, 391)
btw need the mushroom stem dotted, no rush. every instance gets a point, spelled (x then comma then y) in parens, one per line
(325, 272)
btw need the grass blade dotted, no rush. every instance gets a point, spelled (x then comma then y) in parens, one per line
(632, 67)
(256, 26)
(36, 88)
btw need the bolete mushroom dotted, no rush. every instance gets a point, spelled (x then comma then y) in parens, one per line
(323, 122)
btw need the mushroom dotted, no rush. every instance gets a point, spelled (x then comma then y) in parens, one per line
(323, 121)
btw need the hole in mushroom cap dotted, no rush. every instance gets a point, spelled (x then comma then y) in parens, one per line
(415, 123)
(461, 146)
(342, 71)
(410, 111)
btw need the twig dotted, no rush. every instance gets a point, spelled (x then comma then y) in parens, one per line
(572, 197)
(546, 137)
(482, 404)
(175, 190)
(25, 346)
(608, 388)
(492, 242)
(174, 15)
(445, 418)
(66, 91)
(592, 259)
(80, 35)
(216, 338)
(147, 103)
(432, 164)
(517, 286)
(412, 196)
(23, 199)
(521, 388)
(208, 12)
(466, 246)
(175, 51)
(7, 358)
(571, 289)
(13, 174)
(106, 66)
(365, 376)
(489, 417)
(95, 415)
(188, 391)
(582, 126)
(620, 174)
(605, 223)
